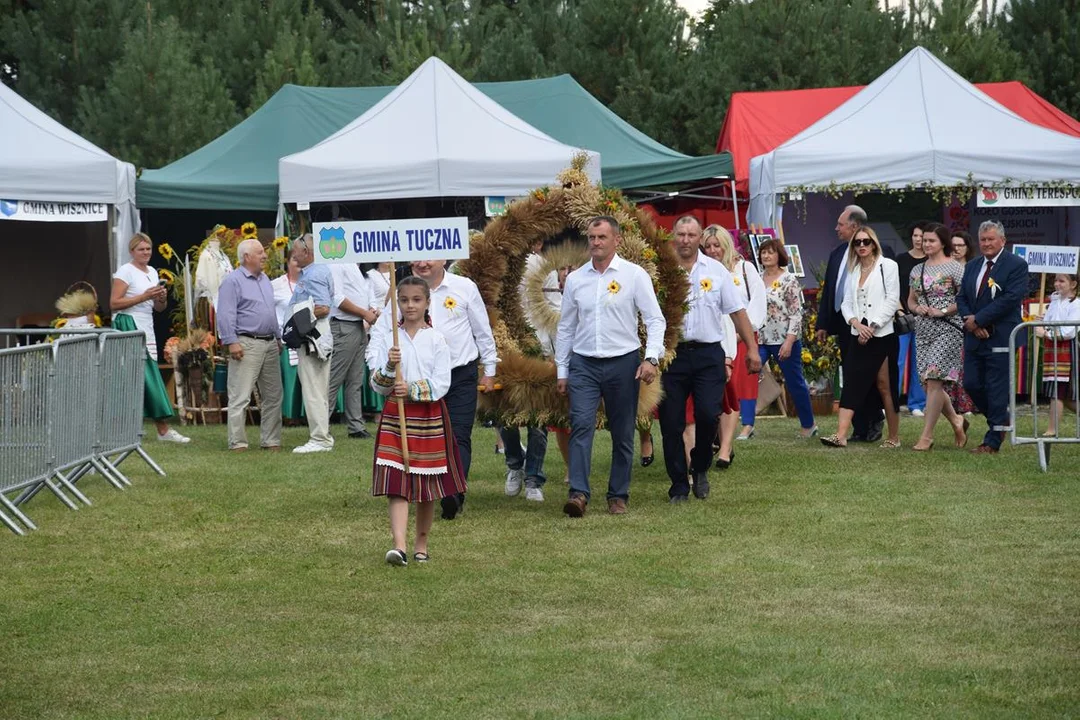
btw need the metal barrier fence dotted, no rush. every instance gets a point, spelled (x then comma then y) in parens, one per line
(1044, 442)
(67, 408)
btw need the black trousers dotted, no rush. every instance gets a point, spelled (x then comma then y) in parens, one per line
(698, 372)
(461, 404)
(870, 410)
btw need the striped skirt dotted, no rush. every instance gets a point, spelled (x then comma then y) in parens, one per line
(434, 464)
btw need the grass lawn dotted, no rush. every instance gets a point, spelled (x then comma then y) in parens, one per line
(813, 583)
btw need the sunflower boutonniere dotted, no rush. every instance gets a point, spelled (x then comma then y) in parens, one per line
(775, 285)
(614, 287)
(451, 305)
(706, 285)
(736, 280)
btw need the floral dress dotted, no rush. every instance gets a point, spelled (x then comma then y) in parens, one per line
(939, 342)
(783, 310)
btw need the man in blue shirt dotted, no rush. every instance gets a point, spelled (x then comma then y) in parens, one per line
(316, 285)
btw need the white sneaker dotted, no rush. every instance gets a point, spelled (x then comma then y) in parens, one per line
(173, 436)
(917, 413)
(514, 480)
(534, 494)
(312, 447)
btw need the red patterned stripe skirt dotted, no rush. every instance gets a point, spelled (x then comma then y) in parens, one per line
(434, 463)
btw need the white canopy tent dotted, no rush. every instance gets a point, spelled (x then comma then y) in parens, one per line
(435, 135)
(918, 124)
(67, 210)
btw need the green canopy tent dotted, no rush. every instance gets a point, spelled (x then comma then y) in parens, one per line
(239, 170)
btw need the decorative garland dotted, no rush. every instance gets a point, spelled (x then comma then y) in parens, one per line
(940, 193)
(496, 264)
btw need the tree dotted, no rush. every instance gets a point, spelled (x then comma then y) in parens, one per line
(1046, 34)
(961, 34)
(289, 61)
(51, 49)
(160, 101)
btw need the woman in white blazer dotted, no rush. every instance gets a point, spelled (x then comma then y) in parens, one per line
(871, 299)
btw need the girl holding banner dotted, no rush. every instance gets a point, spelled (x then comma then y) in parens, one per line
(1059, 351)
(424, 466)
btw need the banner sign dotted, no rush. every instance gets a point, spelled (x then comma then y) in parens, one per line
(495, 206)
(374, 241)
(1049, 258)
(1028, 197)
(44, 211)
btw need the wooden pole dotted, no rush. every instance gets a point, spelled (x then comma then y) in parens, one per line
(1035, 343)
(397, 370)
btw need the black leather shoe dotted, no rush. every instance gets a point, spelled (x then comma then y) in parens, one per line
(701, 485)
(360, 435)
(451, 506)
(857, 438)
(678, 499)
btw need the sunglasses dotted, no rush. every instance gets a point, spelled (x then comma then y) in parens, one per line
(862, 242)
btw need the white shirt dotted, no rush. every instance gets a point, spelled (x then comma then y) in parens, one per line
(380, 285)
(458, 312)
(712, 295)
(752, 288)
(142, 313)
(982, 270)
(600, 314)
(1061, 309)
(283, 290)
(349, 284)
(424, 357)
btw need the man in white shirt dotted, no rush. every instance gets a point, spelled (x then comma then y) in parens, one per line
(458, 312)
(351, 302)
(597, 355)
(699, 368)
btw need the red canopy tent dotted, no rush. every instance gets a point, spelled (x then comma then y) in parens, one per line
(759, 122)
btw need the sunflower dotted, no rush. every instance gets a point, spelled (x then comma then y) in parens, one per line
(167, 276)
(280, 243)
(614, 287)
(59, 322)
(736, 280)
(807, 358)
(249, 230)
(450, 304)
(706, 285)
(775, 284)
(649, 254)
(166, 251)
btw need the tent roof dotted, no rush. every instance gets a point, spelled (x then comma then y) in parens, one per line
(757, 122)
(40, 159)
(239, 170)
(891, 133)
(469, 146)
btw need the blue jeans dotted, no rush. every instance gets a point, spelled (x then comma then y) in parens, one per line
(533, 459)
(916, 395)
(793, 379)
(612, 379)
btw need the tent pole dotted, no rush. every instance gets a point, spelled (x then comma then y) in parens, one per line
(735, 204)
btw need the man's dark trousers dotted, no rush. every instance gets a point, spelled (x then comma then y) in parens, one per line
(698, 372)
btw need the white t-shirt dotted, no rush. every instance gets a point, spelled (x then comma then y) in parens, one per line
(139, 282)
(380, 286)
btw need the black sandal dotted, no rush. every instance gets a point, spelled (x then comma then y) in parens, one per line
(647, 460)
(420, 557)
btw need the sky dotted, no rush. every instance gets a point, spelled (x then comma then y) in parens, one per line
(694, 7)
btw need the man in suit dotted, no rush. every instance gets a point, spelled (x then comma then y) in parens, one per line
(867, 423)
(990, 297)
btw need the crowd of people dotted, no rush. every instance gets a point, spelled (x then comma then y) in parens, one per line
(941, 311)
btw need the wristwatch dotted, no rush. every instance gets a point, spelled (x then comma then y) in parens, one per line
(652, 361)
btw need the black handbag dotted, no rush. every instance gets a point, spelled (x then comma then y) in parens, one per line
(902, 322)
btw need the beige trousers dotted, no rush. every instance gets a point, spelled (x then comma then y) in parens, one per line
(314, 382)
(260, 365)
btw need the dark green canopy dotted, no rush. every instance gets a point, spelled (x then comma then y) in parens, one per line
(239, 170)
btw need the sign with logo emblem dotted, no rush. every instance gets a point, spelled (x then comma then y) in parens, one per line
(1028, 197)
(41, 211)
(1049, 258)
(374, 241)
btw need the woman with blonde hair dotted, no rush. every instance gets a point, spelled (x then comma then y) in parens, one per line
(137, 294)
(718, 244)
(871, 299)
